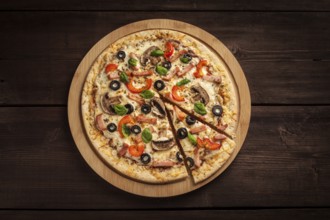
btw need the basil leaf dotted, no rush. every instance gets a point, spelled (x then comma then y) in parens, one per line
(192, 138)
(132, 62)
(161, 70)
(183, 82)
(146, 135)
(123, 77)
(147, 94)
(120, 109)
(200, 108)
(157, 53)
(126, 130)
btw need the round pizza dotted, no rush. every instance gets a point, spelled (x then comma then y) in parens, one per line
(160, 106)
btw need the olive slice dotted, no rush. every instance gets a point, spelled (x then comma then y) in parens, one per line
(135, 129)
(114, 85)
(182, 133)
(145, 108)
(130, 108)
(190, 120)
(186, 58)
(167, 65)
(112, 127)
(121, 55)
(145, 158)
(190, 162)
(217, 110)
(179, 156)
(159, 85)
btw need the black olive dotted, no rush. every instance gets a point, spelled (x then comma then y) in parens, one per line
(130, 108)
(135, 129)
(114, 85)
(112, 127)
(167, 65)
(145, 158)
(146, 109)
(190, 162)
(217, 110)
(121, 55)
(159, 85)
(182, 133)
(179, 156)
(190, 120)
(186, 58)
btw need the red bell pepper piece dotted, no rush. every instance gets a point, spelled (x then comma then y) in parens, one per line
(169, 50)
(136, 150)
(133, 89)
(111, 67)
(199, 67)
(208, 144)
(175, 94)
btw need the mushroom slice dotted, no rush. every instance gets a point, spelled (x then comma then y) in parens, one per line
(201, 94)
(107, 102)
(146, 56)
(158, 107)
(163, 144)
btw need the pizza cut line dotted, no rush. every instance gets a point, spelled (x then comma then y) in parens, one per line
(159, 105)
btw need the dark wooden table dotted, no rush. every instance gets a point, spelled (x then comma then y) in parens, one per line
(283, 169)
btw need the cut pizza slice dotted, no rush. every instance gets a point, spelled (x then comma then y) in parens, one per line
(203, 90)
(205, 150)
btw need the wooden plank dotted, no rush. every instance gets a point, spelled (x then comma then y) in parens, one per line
(49, 47)
(174, 214)
(285, 162)
(159, 5)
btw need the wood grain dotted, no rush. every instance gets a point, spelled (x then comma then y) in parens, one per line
(160, 5)
(55, 42)
(271, 214)
(285, 162)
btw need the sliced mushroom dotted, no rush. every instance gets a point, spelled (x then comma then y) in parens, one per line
(158, 107)
(146, 56)
(107, 102)
(163, 144)
(201, 94)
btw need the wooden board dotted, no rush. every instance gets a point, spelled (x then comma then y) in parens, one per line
(76, 124)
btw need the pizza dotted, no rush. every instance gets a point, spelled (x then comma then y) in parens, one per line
(160, 106)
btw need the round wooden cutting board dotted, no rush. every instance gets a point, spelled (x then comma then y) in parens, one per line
(82, 141)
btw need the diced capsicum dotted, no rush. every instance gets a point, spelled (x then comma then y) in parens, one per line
(176, 96)
(133, 89)
(199, 72)
(169, 50)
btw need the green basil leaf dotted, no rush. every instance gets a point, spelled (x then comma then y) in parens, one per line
(192, 138)
(200, 108)
(183, 82)
(157, 53)
(126, 130)
(123, 77)
(147, 94)
(146, 135)
(120, 109)
(161, 70)
(132, 62)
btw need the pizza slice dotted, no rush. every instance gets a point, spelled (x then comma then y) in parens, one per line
(204, 149)
(202, 89)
